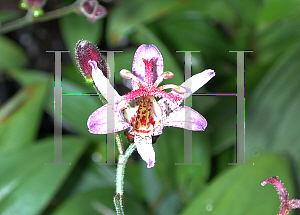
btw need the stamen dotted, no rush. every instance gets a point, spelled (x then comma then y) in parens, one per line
(175, 88)
(147, 92)
(156, 108)
(128, 75)
(165, 75)
(179, 89)
(168, 75)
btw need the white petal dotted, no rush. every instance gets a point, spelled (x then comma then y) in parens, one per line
(158, 130)
(145, 149)
(103, 85)
(197, 81)
(146, 52)
(100, 123)
(191, 85)
(186, 118)
(167, 106)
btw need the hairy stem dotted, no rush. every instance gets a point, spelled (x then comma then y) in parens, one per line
(119, 143)
(120, 178)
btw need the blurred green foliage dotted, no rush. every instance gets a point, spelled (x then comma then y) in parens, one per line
(268, 27)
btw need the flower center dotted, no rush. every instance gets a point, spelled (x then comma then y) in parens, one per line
(146, 114)
(149, 89)
(145, 120)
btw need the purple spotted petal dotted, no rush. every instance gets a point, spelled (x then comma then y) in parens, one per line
(187, 118)
(167, 106)
(102, 83)
(145, 149)
(138, 66)
(98, 124)
(191, 85)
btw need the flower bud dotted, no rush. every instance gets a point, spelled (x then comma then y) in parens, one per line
(130, 137)
(34, 5)
(86, 51)
(92, 10)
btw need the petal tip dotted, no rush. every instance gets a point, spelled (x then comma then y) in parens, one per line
(150, 164)
(210, 72)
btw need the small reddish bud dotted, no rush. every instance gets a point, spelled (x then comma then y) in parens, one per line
(118, 196)
(92, 10)
(35, 4)
(86, 51)
(130, 137)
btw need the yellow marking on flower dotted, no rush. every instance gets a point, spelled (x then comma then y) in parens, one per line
(145, 121)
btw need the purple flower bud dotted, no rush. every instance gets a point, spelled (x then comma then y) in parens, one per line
(86, 51)
(33, 4)
(92, 10)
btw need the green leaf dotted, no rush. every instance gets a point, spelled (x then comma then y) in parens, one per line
(76, 109)
(274, 10)
(27, 184)
(272, 108)
(123, 18)
(28, 76)
(222, 116)
(151, 184)
(98, 201)
(187, 178)
(193, 31)
(75, 27)
(245, 11)
(273, 40)
(7, 16)
(89, 177)
(11, 55)
(273, 117)
(238, 190)
(20, 116)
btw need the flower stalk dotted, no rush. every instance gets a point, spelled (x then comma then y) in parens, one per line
(138, 111)
(120, 178)
(29, 18)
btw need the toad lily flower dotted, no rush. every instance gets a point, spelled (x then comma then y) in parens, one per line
(147, 117)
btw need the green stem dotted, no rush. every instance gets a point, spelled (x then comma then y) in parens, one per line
(29, 19)
(119, 143)
(120, 179)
